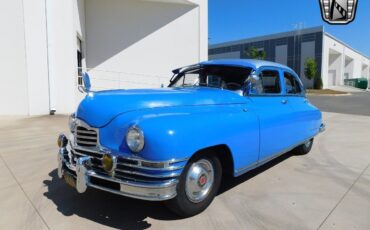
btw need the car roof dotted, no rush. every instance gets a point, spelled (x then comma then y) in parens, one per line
(248, 63)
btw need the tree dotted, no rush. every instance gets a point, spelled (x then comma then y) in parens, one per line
(310, 71)
(310, 68)
(254, 53)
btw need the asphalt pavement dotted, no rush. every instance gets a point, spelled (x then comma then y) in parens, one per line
(355, 103)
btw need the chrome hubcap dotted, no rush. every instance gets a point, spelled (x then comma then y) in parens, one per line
(199, 180)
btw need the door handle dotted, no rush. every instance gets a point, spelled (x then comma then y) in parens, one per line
(284, 101)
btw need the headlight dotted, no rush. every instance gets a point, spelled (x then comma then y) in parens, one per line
(72, 122)
(135, 139)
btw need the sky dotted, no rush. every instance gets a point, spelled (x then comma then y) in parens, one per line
(238, 19)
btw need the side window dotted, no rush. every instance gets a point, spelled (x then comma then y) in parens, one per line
(291, 84)
(191, 79)
(188, 79)
(270, 81)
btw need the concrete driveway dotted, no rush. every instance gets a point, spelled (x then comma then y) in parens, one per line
(327, 189)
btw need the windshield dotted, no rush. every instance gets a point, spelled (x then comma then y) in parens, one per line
(224, 77)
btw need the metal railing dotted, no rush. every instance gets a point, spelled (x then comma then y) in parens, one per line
(106, 79)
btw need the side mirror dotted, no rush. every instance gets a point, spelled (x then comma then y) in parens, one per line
(86, 84)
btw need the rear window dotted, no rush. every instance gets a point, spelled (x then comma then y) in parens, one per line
(291, 84)
(270, 81)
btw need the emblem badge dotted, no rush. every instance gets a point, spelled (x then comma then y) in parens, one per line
(338, 11)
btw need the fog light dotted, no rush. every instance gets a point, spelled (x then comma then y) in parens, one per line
(62, 141)
(109, 163)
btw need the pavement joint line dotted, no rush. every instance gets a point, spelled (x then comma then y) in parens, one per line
(344, 195)
(24, 192)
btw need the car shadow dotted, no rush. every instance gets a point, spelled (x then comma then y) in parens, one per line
(121, 212)
(229, 182)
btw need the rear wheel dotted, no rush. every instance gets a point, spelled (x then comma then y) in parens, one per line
(304, 148)
(197, 187)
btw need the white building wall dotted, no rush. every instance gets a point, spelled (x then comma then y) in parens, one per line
(79, 19)
(354, 70)
(136, 44)
(141, 40)
(13, 77)
(36, 54)
(62, 55)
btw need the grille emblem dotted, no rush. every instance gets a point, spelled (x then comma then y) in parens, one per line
(338, 11)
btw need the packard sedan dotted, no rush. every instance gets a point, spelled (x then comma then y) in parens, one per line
(174, 144)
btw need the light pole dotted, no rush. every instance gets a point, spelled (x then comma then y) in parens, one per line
(298, 31)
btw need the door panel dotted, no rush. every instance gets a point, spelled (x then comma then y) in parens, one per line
(304, 114)
(275, 124)
(305, 118)
(274, 112)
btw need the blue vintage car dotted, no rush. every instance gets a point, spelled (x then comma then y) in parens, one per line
(174, 144)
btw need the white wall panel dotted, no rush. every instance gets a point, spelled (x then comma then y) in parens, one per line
(36, 53)
(13, 67)
(147, 39)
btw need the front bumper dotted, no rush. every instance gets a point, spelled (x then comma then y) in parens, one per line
(81, 175)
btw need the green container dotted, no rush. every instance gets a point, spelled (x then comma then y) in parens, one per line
(361, 83)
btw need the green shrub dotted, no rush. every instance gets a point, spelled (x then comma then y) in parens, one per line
(310, 68)
(254, 53)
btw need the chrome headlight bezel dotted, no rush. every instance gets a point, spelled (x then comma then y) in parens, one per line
(135, 140)
(72, 122)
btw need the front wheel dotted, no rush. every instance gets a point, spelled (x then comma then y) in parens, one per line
(304, 148)
(198, 185)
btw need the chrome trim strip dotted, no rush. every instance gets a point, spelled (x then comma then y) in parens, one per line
(85, 142)
(165, 184)
(88, 149)
(169, 175)
(85, 132)
(87, 138)
(167, 164)
(170, 168)
(136, 196)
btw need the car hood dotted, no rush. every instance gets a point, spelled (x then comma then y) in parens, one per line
(98, 108)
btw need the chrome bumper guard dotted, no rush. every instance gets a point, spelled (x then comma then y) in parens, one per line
(84, 177)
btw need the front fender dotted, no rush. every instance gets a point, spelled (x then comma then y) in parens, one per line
(179, 132)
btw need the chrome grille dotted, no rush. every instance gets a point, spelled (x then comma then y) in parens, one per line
(127, 169)
(86, 136)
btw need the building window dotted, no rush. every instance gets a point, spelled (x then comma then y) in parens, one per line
(79, 60)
